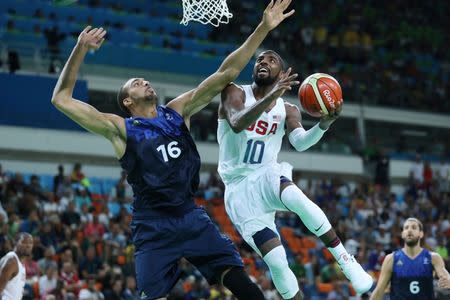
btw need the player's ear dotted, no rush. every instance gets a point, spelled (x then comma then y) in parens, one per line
(127, 101)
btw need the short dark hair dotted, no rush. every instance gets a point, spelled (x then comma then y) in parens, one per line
(415, 220)
(121, 95)
(283, 63)
(22, 235)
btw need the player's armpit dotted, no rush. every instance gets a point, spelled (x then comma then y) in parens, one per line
(88, 117)
(384, 279)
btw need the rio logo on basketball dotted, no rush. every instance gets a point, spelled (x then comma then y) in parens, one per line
(320, 94)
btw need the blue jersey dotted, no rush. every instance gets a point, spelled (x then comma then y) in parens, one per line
(162, 163)
(412, 278)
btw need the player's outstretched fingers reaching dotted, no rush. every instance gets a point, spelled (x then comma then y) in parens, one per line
(284, 84)
(92, 38)
(274, 13)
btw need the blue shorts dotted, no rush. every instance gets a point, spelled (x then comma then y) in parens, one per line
(161, 242)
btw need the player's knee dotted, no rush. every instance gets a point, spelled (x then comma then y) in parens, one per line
(276, 260)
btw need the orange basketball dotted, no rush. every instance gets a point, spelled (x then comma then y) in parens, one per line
(320, 94)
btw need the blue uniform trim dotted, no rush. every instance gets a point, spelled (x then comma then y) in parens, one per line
(263, 236)
(284, 179)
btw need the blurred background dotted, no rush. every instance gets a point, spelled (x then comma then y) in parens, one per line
(384, 160)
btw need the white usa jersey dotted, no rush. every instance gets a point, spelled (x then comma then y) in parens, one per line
(254, 148)
(14, 287)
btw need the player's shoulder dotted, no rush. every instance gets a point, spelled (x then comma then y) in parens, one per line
(389, 259)
(233, 86)
(291, 108)
(233, 91)
(435, 256)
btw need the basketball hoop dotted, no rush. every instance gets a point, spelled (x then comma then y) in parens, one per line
(212, 12)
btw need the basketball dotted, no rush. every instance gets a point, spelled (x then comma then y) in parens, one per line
(320, 94)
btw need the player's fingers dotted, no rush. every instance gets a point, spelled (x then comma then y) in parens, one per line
(292, 77)
(98, 32)
(270, 5)
(101, 34)
(289, 14)
(100, 44)
(286, 4)
(86, 29)
(92, 31)
(287, 73)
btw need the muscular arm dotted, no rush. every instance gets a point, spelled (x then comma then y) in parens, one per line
(385, 277)
(232, 104)
(8, 269)
(441, 272)
(232, 108)
(108, 125)
(193, 101)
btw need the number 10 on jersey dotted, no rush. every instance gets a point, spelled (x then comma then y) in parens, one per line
(254, 152)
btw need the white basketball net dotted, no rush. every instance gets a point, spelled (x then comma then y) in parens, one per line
(212, 12)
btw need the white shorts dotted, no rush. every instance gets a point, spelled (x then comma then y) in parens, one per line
(252, 203)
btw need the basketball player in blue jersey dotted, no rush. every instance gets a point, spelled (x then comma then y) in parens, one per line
(252, 122)
(410, 269)
(155, 148)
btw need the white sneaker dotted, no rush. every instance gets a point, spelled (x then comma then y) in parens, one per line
(361, 281)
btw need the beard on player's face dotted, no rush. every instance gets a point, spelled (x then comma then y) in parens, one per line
(264, 80)
(412, 242)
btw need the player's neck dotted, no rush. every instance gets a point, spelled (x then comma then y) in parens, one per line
(261, 91)
(148, 111)
(412, 251)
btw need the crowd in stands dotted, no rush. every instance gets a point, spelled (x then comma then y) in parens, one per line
(83, 250)
(386, 54)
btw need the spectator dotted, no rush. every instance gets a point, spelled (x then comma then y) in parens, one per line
(58, 179)
(91, 292)
(47, 282)
(90, 264)
(416, 170)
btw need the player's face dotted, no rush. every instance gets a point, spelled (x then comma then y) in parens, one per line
(140, 89)
(267, 69)
(411, 233)
(24, 246)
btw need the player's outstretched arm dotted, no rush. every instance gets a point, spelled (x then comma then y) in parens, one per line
(8, 269)
(232, 106)
(385, 277)
(193, 101)
(441, 272)
(107, 125)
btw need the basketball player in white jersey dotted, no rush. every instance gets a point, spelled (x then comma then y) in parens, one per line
(252, 122)
(12, 270)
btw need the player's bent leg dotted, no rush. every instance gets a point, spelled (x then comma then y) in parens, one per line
(310, 213)
(316, 221)
(274, 256)
(239, 283)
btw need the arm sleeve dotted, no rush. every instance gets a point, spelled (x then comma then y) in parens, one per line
(303, 139)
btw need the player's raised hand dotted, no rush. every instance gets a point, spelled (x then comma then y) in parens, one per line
(327, 119)
(92, 38)
(274, 13)
(284, 84)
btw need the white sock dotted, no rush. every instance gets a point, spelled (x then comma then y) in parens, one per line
(282, 276)
(340, 253)
(311, 215)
